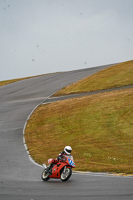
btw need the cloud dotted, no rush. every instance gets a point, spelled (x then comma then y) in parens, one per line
(44, 36)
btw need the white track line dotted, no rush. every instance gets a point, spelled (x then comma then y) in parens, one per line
(25, 145)
(76, 172)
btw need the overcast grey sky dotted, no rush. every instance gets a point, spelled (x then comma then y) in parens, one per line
(44, 36)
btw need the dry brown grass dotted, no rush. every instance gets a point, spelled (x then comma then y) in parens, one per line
(98, 127)
(6, 82)
(111, 77)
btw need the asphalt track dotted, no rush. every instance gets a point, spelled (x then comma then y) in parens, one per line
(19, 177)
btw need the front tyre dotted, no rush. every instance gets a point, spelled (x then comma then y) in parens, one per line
(45, 175)
(65, 175)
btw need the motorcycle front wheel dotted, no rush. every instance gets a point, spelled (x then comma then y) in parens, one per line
(65, 175)
(45, 175)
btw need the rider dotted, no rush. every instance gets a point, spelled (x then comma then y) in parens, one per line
(67, 152)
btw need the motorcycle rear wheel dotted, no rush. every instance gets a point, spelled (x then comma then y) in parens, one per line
(65, 175)
(45, 175)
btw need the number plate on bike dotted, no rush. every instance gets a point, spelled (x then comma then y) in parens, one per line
(71, 162)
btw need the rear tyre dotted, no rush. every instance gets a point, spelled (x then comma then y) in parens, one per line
(45, 175)
(65, 175)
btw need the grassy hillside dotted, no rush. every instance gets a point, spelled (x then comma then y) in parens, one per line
(114, 76)
(98, 127)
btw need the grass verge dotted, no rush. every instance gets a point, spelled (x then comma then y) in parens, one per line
(6, 82)
(114, 76)
(98, 127)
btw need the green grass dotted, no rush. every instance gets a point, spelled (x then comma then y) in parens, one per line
(111, 77)
(98, 127)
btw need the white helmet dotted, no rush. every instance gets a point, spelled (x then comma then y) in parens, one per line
(68, 150)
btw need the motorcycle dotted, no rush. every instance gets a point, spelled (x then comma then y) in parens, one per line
(61, 170)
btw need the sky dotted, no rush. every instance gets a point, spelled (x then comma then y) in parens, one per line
(46, 36)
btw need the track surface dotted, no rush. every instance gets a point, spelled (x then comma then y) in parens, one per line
(19, 177)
